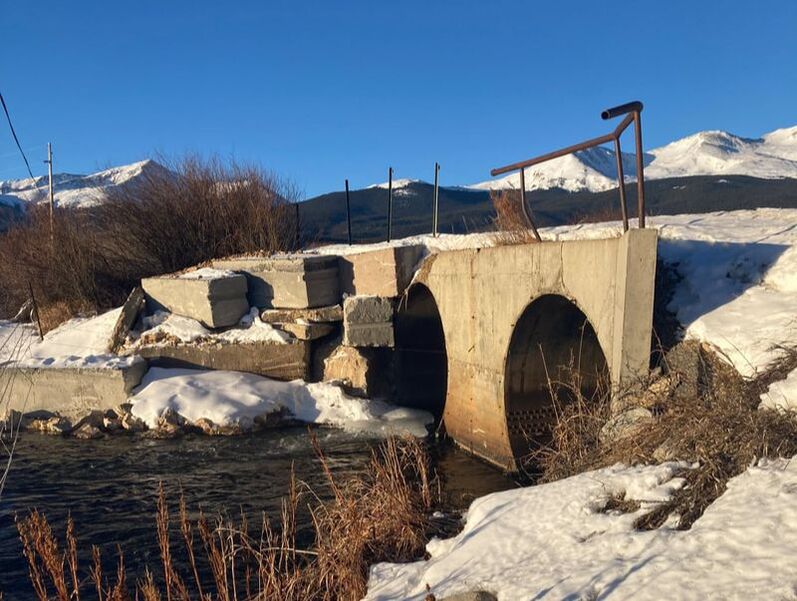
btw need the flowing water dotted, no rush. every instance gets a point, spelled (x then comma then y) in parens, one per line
(110, 486)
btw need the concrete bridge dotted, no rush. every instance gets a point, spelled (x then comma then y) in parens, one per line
(479, 331)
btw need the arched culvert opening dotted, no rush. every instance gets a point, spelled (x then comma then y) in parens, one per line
(421, 360)
(552, 341)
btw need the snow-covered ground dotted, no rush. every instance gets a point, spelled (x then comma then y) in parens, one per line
(553, 542)
(80, 342)
(230, 397)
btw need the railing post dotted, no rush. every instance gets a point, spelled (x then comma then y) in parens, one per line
(348, 211)
(523, 206)
(621, 182)
(435, 205)
(640, 169)
(389, 203)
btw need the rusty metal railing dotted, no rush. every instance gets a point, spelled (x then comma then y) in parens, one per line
(632, 111)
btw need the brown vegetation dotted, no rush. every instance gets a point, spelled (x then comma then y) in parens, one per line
(381, 515)
(716, 423)
(167, 221)
(510, 223)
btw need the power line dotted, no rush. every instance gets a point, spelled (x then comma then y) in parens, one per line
(13, 133)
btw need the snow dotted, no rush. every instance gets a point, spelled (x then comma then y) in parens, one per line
(719, 152)
(552, 542)
(782, 395)
(78, 343)
(397, 183)
(594, 169)
(774, 155)
(206, 273)
(72, 190)
(163, 327)
(230, 397)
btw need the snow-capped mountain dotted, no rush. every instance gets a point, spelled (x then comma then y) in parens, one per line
(594, 169)
(772, 156)
(77, 191)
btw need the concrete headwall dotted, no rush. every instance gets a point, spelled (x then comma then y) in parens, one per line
(482, 293)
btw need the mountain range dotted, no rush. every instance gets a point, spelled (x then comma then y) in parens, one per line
(710, 169)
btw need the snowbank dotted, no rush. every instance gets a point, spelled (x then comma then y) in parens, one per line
(77, 343)
(552, 542)
(230, 397)
(782, 395)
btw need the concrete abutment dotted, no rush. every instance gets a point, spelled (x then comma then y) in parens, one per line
(599, 294)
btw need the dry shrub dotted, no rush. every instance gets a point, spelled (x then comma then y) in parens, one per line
(719, 427)
(380, 515)
(510, 222)
(169, 220)
(574, 439)
(199, 210)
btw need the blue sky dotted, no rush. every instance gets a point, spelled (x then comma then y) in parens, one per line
(321, 91)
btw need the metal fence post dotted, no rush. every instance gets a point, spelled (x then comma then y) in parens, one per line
(389, 203)
(348, 211)
(436, 200)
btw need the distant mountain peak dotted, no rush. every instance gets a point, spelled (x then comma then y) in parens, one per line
(76, 190)
(711, 152)
(398, 183)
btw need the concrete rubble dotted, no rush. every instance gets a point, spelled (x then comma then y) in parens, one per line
(328, 314)
(216, 301)
(348, 341)
(297, 281)
(278, 361)
(386, 272)
(360, 371)
(368, 321)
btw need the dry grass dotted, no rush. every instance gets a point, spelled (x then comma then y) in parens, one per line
(574, 439)
(718, 426)
(170, 220)
(509, 222)
(380, 515)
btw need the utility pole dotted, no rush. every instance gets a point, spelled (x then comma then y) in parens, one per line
(49, 162)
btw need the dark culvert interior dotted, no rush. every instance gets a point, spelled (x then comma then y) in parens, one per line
(421, 361)
(553, 338)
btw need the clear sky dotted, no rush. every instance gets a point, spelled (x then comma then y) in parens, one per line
(321, 91)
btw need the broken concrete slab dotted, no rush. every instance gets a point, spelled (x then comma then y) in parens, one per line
(307, 331)
(369, 335)
(368, 321)
(69, 392)
(216, 301)
(278, 361)
(384, 272)
(295, 281)
(367, 309)
(127, 317)
(360, 371)
(330, 314)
